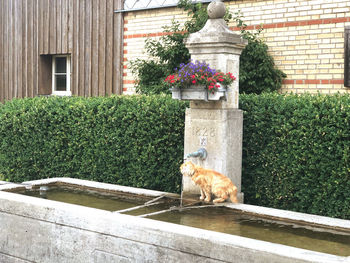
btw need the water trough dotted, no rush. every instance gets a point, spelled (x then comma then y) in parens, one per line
(40, 230)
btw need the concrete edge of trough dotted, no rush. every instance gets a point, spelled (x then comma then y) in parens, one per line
(191, 240)
(98, 185)
(334, 223)
(257, 210)
(130, 227)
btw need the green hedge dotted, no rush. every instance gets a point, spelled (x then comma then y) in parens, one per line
(128, 140)
(296, 152)
(296, 149)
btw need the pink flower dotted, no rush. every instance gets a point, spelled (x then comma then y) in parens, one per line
(193, 81)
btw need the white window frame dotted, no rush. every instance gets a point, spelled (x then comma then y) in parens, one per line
(68, 76)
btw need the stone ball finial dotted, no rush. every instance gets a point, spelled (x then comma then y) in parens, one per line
(216, 9)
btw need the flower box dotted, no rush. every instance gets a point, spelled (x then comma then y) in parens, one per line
(199, 92)
(197, 81)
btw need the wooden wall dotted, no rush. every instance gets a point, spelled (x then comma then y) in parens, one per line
(32, 30)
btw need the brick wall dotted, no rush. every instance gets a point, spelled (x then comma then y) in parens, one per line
(306, 39)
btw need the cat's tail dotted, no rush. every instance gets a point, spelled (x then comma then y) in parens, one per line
(233, 194)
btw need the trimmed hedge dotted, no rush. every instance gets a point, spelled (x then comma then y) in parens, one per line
(296, 149)
(296, 152)
(127, 140)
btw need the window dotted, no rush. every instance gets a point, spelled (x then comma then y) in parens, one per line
(61, 75)
(147, 4)
(347, 57)
(134, 5)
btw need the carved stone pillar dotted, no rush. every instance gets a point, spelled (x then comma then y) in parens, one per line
(216, 126)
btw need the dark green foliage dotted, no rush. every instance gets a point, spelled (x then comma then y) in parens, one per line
(166, 54)
(197, 12)
(296, 152)
(128, 140)
(150, 76)
(169, 49)
(257, 70)
(296, 149)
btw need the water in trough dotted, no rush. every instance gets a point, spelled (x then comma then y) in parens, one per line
(218, 219)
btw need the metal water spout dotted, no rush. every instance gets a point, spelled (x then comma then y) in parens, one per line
(201, 153)
(43, 191)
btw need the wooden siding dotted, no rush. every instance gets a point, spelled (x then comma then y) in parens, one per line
(89, 30)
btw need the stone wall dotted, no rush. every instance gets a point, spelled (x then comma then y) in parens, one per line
(306, 38)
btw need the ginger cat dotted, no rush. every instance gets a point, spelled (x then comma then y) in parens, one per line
(210, 182)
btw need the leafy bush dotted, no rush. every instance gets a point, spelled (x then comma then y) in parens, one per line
(150, 76)
(198, 15)
(257, 70)
(168, 52)
(127, 140)
(165, 54)
(296, 149)
(296, 152)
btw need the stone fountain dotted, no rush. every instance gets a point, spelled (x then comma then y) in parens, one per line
(216, 126)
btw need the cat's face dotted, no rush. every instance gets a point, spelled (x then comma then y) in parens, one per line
(187, 168)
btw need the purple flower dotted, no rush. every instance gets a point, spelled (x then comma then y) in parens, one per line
(199, 73)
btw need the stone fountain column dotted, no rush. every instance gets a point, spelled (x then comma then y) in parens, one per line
(216, 126)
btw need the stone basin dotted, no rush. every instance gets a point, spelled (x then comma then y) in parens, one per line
(40, 230)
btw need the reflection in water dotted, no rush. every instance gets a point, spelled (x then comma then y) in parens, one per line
(85, 198)
(227, 221)
(89, 198)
